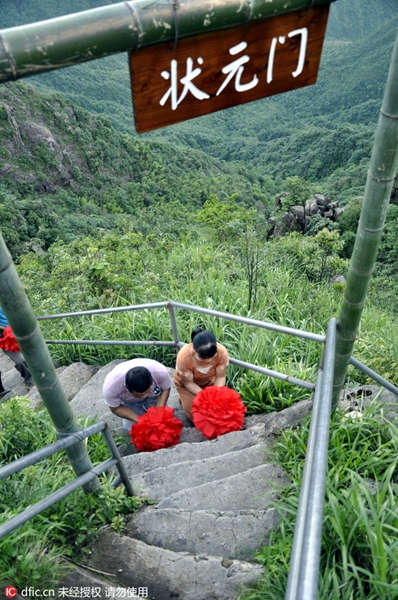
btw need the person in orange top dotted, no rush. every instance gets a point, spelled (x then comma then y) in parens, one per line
(202, 363)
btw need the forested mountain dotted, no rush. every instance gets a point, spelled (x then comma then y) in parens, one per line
(103, 86)
(66, 173)
(354, 19)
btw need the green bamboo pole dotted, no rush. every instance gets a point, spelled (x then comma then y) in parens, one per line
(39, 47)
(381, 174)
(25, 327)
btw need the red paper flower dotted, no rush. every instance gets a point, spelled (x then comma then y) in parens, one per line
(8, 341)
(217, 410)
(156, 429)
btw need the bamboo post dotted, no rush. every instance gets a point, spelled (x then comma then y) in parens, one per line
(127, 26)
(378, 188)
(25, 327)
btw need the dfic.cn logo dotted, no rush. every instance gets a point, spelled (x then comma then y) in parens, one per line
(10, 591)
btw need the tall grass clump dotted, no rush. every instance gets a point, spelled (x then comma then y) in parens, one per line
(359, 552)
(32, 554)
(199, 270)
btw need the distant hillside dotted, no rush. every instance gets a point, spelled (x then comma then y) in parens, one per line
(314, 132)
(103, 86)
(66, 173)
(355, 19)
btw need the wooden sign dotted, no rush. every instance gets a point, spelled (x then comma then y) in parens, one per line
(214, 71)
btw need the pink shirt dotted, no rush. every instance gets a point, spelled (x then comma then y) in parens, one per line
(114, 390)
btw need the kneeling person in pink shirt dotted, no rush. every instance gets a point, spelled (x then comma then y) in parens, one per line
(134, 386)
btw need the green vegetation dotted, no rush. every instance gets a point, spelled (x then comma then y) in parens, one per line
(359, 553)
(96, 217)
(32, 553)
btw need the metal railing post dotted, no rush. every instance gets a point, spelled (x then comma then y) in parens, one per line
(38, 455)
(174, 327)
(25, 327)
(119, 465)
(304, 564)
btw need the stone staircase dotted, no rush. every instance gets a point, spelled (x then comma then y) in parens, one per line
(211, 507)
(211, 504)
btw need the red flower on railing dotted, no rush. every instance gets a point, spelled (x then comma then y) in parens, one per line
(218, 410)
(156, 429)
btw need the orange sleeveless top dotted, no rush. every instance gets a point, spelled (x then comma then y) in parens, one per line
(203, 374)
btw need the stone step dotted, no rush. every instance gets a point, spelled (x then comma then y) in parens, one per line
(230, 442)
(167, 574)
(250, 490)
(6, 364)
(12, 380)
(72, 380)
(232, 534)
(164, 481)
(10, 377)
(79, 582)
(89, 402)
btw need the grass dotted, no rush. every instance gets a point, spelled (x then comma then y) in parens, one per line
(31, 555)
(359, 551)
(199, 271)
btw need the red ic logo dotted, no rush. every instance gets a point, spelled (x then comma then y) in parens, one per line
(10, 591)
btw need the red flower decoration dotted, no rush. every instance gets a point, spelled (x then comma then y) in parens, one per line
(8, 341)
(156, 429)
(218, 410)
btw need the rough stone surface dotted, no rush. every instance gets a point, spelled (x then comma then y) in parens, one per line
(144, 461)
(89, 402)
(170, 575)
(298, 218)
(321, 200)
(164, 481)
(6, 364)
(191, 435)
(338, 212)
(95, 585)
(311, 207)
(254, 489)
(359, 399)
(230, 534)
(71, 378)
(11, 379)
(38, 133)
(277, 421)
(340, 279)
(298, 212)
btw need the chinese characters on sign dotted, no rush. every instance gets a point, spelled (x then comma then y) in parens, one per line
(218, 70)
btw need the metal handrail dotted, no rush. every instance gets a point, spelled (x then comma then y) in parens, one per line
(304, 564)
(304, 561)
(171, 304)
(373, 375)
(178, 344)
(62, 444)
(206, 311)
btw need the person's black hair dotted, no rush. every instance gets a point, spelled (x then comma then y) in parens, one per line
(138, 379)
(204, 343)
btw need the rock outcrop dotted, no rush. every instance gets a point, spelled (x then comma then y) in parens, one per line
(298, 217)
